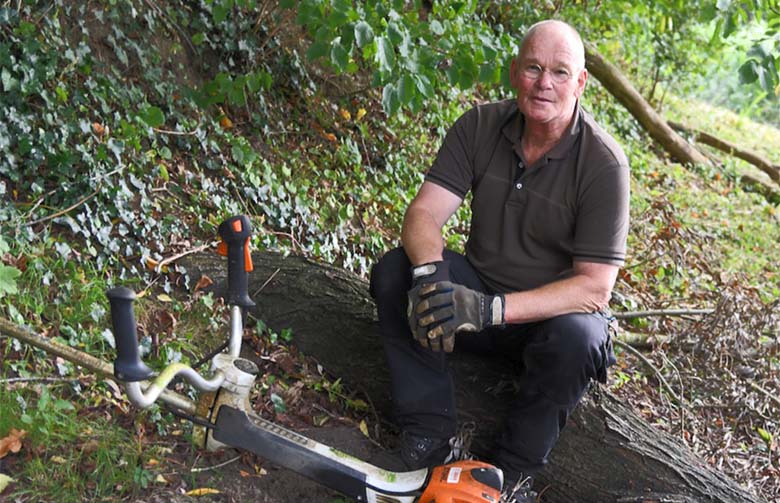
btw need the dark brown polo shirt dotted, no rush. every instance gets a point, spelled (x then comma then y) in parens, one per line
(529, 223)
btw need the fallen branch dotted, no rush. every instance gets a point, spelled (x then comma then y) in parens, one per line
(765, 392)
(757, 160)
(214, 467)
(66, 210)
(42, 379)
(652, 367)
(660, 312)
(159, 266)
(82, 359)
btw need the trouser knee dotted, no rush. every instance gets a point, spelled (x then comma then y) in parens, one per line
(572, 350)
(390, 277)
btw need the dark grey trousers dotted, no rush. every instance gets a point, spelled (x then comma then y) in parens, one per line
(558, 359)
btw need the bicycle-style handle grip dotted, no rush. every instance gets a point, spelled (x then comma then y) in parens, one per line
(128, 366)
(235, 233)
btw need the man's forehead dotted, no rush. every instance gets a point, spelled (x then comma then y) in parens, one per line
(545, 46)
(551, 56)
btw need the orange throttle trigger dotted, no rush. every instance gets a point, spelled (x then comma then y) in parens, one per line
(248, 266)
(222, 248)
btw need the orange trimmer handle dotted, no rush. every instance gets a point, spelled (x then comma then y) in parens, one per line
(235, 233)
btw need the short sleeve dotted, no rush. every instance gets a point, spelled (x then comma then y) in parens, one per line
(603, 217)
(453, 168)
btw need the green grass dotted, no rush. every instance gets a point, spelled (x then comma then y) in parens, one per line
(68, 454)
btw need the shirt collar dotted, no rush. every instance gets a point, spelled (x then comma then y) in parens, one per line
(513, 131)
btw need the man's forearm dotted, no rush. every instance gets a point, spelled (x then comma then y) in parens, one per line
(421, 237)
(577, 294)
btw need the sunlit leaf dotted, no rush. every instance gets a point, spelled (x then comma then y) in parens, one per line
(202, 491)
(5, 480)
(765, 435)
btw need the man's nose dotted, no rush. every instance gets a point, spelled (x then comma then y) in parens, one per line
(545, 79)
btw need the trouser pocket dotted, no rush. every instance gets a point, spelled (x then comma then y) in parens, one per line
(607, 349)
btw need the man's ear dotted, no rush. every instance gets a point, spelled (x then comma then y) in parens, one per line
(582, 79)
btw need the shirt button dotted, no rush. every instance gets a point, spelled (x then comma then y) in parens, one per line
(519, 185)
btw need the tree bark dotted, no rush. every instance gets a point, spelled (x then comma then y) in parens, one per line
(620, 87)
(605, 454)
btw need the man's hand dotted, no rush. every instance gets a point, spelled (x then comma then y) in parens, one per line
(445, 308)
(424, 275)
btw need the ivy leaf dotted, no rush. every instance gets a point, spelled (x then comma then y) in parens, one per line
(152, 116)
(8, 80)
(8, 277)
(219, 13)
(363, 34)
(278, 402)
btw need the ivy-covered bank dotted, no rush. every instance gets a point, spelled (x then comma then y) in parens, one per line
(130, 129)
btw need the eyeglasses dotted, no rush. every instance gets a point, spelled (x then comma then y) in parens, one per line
(535, 72)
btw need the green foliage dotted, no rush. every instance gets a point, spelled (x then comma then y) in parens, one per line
(413, 56)
(8, 276)
(762, 63)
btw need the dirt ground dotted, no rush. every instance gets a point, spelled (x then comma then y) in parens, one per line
(275, 485)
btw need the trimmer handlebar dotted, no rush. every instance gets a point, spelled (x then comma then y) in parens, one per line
(128, 366)
(235, 233)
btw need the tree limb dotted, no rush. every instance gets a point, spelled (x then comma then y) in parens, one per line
(620, 87)
(757, 160)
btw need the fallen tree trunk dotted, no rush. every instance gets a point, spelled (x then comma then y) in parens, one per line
(759, 161)
(620, 87)
(606, 453)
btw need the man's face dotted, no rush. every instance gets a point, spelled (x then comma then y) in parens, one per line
(549, 77)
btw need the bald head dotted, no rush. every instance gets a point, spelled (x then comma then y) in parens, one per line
(555, 28)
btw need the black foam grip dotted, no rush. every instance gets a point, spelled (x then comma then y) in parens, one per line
(128, 366)
(235, 233)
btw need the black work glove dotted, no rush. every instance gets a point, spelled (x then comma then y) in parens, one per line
(425, 274)
(446, 308)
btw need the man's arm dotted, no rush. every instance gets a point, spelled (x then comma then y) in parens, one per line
(429, 211)
(587, 291)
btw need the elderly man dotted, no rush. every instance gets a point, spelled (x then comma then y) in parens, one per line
(548, 233)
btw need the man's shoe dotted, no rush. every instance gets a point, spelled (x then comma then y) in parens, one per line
(519, 490)
(423, 452)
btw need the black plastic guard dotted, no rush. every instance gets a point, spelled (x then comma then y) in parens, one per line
(288, 449)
